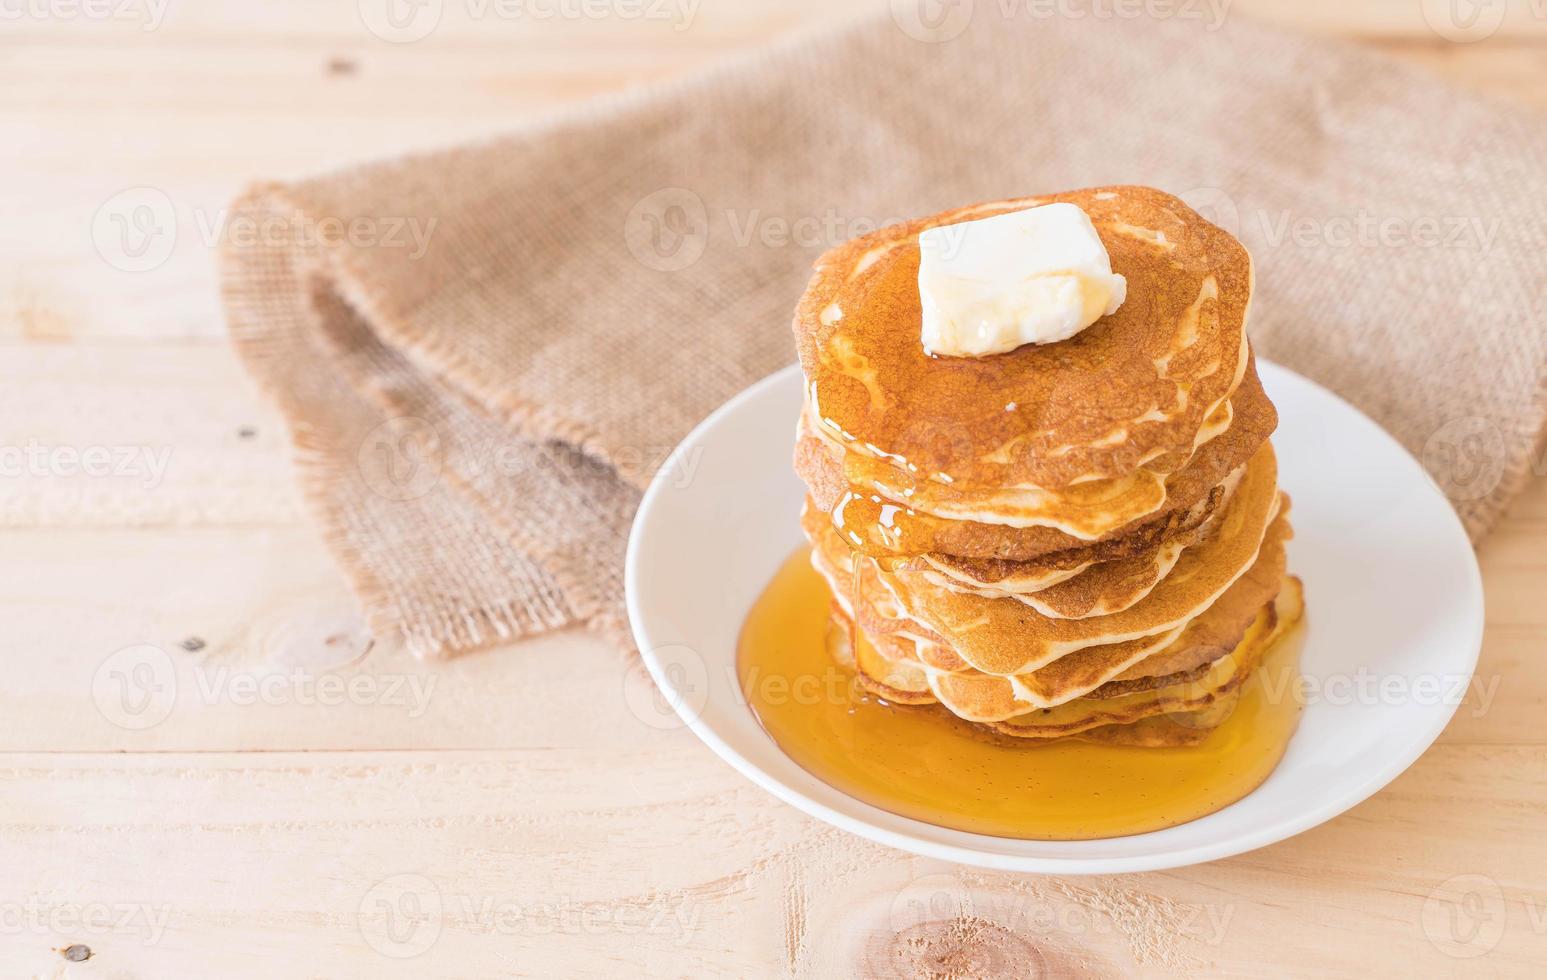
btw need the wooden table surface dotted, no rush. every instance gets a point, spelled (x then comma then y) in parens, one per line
(206, 768)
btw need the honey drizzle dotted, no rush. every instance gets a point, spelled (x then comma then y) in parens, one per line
(923, 763)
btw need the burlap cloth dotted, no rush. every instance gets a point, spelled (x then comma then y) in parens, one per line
(484, 353)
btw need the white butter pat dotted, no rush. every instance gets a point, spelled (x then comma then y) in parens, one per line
(1036, 276)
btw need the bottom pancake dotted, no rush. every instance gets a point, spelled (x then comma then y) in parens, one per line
(915, 666)
(1191, 698)
(1223, 677)
(1177, 730)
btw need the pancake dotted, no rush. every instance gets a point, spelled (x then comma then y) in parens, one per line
(896, 657)
(879, 524)
(1010, 578)
(1082, 539)
(1096, 589)
(895, 680)
(1086, 510)
(1052, 566)
(876, 611)
(871, 608)
(1005, 577)
(1176, 730)
(1181, 711)
(1000, 637)
(1207, 642)
(853, 582)
(1102, 589)
(1224, 677)
(1133, 389)
(1092, 671)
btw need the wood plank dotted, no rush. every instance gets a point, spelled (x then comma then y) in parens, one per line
(474, 23)
(266, 862)
(213, 100)
(534, 795)
(1508, 70)
(216, 550)
(282, 662)
(78, 92)
(247, 639)
(147, 436)
(279, 644)
(1428, 21)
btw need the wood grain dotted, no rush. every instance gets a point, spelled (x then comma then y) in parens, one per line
(310, 803)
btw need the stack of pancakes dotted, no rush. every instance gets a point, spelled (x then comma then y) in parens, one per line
(1080, 538)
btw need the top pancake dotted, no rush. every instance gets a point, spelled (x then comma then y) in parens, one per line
(1133, 388)
(1003, 636)
(874, 526)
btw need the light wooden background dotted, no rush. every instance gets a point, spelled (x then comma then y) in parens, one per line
(517, 812)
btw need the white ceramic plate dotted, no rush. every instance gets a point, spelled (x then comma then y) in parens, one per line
(1395, 613)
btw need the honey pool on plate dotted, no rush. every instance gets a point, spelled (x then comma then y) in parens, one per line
(923, 763)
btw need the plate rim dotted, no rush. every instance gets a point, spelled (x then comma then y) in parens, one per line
(985, 856)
